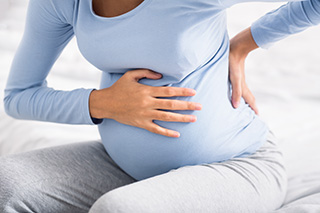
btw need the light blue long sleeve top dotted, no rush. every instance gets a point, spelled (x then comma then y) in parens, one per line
(184, 40)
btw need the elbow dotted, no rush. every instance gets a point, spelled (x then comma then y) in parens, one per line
(7, 102)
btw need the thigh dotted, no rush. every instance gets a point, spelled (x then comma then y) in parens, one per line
(256, 183)
(67, 178)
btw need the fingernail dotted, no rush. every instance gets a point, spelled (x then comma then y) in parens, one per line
(176, 134)
(198, 106)
(192, 92)
(236, 104)
(193, 118)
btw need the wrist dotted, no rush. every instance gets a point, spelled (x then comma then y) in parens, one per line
(95, 105)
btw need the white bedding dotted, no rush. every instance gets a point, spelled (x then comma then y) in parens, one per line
(285, 80)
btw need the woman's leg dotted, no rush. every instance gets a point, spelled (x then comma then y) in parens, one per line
(67, 178)
(253, 184)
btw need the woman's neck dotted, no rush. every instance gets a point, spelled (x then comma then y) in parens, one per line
(112, 8)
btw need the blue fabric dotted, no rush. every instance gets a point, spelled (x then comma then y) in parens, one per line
(291, 18)
(184, 40)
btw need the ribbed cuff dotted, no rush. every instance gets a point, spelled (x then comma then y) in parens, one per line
(86, 110)
(96, 120)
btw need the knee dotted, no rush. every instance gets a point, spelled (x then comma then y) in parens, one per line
(20, 184)
(10, 177)
(11, 180)
(118, 201)
(111, 202)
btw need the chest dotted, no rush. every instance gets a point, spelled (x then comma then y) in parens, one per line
(170, 37)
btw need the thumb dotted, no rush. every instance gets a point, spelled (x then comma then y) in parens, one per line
(143, 73)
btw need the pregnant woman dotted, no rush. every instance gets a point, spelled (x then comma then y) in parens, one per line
(171, 139)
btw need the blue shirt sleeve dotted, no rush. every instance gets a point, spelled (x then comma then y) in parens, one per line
(27, 96)
(291, 18)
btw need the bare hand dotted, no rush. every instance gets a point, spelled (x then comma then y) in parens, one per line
(240, 46)
(239, 85)
(135, 104)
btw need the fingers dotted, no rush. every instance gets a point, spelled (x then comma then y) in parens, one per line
(254, 107)
(236, 82)
(162, 131)
(170, 117)
(240, 89)
(176, 105)
(173, 117)
(250, 99)
(172, 91)
(136, 75)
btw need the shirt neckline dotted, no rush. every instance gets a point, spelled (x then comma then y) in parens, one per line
(122, 16)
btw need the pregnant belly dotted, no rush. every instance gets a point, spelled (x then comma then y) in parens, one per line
(220, 133)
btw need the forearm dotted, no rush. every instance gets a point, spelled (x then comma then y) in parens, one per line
(289, 19)
(46, 104)
(242, 44)
(47, 32)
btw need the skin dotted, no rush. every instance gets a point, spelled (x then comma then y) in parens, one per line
(240, 46)
(111, 8)
(132, 103)
(135, 104)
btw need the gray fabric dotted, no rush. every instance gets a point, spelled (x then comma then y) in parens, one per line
(67, 178)
(74, 177)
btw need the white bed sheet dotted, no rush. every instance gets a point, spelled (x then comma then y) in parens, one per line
(285, 80)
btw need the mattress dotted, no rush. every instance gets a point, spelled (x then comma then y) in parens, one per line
(284, 79)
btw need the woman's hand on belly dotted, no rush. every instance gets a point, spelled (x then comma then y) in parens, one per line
(135, 104)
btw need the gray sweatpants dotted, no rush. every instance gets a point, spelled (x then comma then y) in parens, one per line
(82, 177)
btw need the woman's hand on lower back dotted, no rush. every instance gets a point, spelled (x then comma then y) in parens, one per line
(135, 104)
(238, 82)
(240, 46)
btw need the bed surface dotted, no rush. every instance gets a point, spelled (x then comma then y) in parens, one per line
(285, 81)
